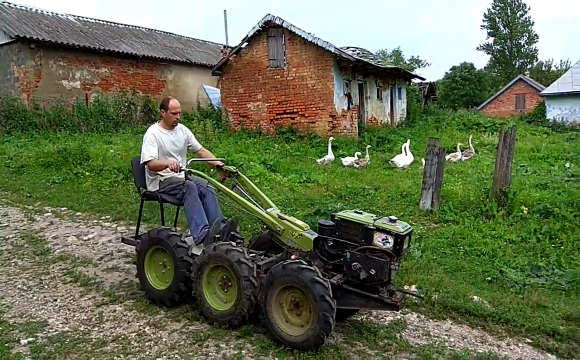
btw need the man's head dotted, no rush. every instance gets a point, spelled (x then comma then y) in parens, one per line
(170, 112)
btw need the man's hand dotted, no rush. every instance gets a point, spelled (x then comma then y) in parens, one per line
(217, 164)
(173, 165)
(222, 174)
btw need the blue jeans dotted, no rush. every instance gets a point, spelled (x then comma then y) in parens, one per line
(200, 204)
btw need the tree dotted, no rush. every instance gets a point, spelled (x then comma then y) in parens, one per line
(396, 57)
(512, 49)
(464, 86)
(546, 72)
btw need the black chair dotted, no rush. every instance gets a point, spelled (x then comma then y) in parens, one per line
(146, 195)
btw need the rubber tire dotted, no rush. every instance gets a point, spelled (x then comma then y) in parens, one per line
(319, 292)
(343, 314)
(181, 286)
(237, 260)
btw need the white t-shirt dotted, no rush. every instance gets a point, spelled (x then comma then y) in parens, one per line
(162, 144)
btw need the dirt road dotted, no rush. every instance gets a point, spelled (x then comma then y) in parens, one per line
(68, 289)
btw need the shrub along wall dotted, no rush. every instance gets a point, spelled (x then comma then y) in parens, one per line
(103, 114)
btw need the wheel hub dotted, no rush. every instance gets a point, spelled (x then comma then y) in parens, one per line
(219, 287)
(159, 267)
(292, 310)
(225, 283)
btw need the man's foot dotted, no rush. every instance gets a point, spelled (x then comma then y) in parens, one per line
(212, 232)
(230, 226)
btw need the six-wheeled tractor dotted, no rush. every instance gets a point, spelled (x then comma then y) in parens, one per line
(303, 281)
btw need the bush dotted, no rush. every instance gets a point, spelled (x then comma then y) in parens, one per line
(105, 113)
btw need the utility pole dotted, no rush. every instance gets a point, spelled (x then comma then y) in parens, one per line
(226, 27)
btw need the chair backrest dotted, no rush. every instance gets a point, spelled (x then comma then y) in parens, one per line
(138, 173)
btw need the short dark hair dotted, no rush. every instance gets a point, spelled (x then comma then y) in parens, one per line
(165, 103)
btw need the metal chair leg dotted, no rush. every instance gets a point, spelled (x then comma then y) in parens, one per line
(139, 219)
(176, 217)
(162, 213)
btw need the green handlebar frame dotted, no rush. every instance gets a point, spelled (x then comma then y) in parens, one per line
(288, 230)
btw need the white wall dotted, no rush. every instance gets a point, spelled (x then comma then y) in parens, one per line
(563, 108)
(374, 107)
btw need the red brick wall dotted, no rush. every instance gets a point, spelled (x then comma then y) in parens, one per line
(48, 73)
(300, 95)
(505, 104)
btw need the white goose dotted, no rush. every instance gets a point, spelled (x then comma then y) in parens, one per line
(456, 156)
(330, 156)
(359, 163)
(403, 161)
(399, 157)
(468, 154)
(349, 160)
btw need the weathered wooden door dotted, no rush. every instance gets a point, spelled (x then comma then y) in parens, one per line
(361, 104)
(392, 106)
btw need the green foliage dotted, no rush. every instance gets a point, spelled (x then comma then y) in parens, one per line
(546, 72)
(414, 103)
(396, 57)
(103, 114)
(512, 49)
(464, 87)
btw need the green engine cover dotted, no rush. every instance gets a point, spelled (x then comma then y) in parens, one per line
(390, 223)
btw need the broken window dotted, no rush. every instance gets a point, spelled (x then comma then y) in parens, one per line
(276, 48)
(521, 102)
(379, 91)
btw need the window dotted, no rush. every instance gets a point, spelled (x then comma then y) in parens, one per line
(521, 102)
(379, 91)
(399, 92)
(276, 48)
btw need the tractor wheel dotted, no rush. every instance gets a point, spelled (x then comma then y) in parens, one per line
(164, 266)
(298, 305)
(343, 314)
(225, 286)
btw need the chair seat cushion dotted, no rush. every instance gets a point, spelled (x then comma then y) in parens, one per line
(154, 196)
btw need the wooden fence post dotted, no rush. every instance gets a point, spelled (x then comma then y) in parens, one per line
(503, 164)
(432, 176)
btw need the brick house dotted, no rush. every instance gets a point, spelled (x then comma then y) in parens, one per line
(48, 55)
(519, 96)
(280, 75)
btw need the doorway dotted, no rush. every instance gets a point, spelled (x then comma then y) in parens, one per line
(392, 105)
(361, 104)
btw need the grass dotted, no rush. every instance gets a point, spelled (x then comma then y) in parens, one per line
(522, 260)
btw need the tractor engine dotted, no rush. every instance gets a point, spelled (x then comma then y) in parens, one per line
(364, 248)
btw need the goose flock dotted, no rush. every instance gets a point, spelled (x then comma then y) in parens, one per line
(401, 161)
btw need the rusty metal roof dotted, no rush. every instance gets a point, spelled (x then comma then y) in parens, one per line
(24, 22)
(354, 54)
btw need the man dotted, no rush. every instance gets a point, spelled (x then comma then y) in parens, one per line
(164, 152)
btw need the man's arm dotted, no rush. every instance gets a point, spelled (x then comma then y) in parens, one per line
(149, 156)
(205, 153)
(160, 165)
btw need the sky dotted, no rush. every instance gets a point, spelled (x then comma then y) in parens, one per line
(443, 32)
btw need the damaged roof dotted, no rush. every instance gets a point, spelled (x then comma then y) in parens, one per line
(354, 54)
(24, 22)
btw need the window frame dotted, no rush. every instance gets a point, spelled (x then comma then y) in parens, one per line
(276, 43)
(520, 100)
